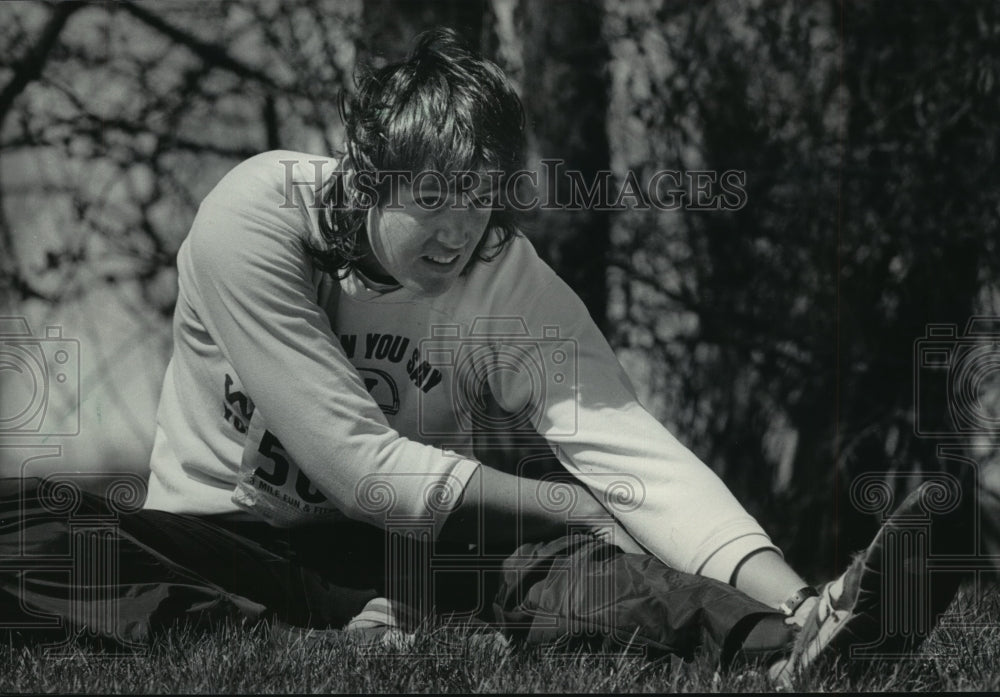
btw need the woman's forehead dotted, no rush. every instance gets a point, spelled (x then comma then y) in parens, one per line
(462, 180)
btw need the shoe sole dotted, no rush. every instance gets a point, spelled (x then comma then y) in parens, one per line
(862, 622)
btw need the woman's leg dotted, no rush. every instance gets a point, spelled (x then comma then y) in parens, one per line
(125, 577)
(581, 591)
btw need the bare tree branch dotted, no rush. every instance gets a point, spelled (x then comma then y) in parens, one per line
(213, 54)
(30, 66)
(27, 69)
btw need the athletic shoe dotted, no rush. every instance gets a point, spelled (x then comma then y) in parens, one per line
(850, 611)
(386, 622)
(380, 623)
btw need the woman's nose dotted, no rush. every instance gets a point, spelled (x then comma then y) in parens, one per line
(452, 234)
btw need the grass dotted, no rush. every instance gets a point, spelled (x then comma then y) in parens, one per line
(963, 654)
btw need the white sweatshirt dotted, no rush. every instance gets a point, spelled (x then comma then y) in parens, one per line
(388, 388)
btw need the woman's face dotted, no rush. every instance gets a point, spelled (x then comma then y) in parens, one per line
(426, 240)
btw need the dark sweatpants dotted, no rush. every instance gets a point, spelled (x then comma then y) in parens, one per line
(126, 575)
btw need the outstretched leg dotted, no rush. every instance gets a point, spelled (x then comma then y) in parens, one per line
(580, 591)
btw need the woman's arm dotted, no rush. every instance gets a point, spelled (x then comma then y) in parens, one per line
(243, 271)
(512, 510)
(587, 410)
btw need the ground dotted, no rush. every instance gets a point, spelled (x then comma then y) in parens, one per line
(962, 654)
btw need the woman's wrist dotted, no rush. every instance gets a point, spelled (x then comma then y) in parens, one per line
(766, 577)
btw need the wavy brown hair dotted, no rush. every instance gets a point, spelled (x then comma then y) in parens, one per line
(444, 108)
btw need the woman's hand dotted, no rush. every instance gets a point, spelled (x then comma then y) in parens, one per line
(613, 533)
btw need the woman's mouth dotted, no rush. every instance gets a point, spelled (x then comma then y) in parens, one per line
(444, 261)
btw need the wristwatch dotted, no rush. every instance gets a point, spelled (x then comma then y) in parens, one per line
(794, 602)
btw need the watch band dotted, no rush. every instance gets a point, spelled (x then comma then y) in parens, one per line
(794, 602)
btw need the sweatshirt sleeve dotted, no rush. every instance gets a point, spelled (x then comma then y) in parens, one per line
(587, 409)
(254, 292)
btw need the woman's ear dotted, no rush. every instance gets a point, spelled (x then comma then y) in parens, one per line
(372, 240)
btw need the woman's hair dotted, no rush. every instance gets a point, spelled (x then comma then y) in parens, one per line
(443, 108)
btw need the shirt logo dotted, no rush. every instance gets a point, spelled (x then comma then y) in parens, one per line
(382, 388)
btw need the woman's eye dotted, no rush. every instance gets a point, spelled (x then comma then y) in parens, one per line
(481, 199)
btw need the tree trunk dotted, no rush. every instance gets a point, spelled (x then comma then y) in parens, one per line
(565, 93)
